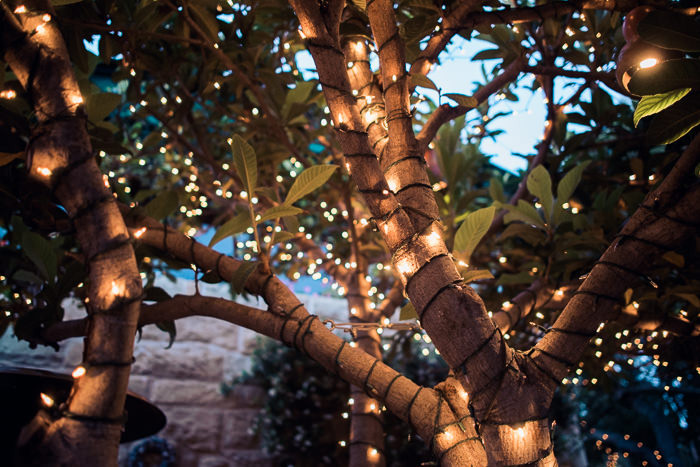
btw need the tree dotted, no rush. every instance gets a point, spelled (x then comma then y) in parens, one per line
(207, 111)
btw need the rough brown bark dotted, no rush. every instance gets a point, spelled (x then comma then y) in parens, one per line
(288, 321)
(452, 314)
(85, 430)
(667, 217)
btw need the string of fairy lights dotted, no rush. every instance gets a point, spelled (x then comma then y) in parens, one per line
(182, 166)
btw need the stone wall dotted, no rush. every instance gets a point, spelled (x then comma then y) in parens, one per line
(206, 428)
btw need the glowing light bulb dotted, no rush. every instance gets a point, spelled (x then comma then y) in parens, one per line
(21, 9)
(45, 171)
(46, 400)
(140, 232)
(117, 289)
(78, 372)
(404, 266)
(8, 94)
(648, 62)
(434, 239)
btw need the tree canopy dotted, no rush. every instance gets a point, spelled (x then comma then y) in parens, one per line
(145, 138)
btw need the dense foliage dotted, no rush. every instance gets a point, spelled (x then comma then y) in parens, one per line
(203, 116)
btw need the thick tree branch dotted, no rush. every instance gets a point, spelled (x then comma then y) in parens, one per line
(452, 313)
(403, 398)
(60, 156)
(403, 164)
(520, 306)
(666, 217)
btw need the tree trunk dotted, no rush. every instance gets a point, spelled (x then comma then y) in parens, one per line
(85, 429)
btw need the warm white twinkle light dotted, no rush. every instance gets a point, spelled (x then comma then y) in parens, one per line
(117, 289)
(46, 400)
(78, 372)
(434, 239)
(140, 232)
(404, 266)
(648, 63)
(8, 94)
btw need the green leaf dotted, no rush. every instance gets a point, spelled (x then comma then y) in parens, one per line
(464, 101)
(299, 95)
(6, 157)
(526, 232)
(162, 205)
(522, 277)
(496, 190)
(282, 236)
(524, 212)
(282, 210)
(476, 275)
(423, 81)
(650, 105)
(539, 183)
(569, 182)
(408, 312)
(169, 327)
(240, 276)
(670, 30)
(207, 20)
(41, 253)
(666, 76)
(473, 229)
(291, 223)
(236, 224)
(99, 106)
(308, 181)
(676, 121)
(246, 163)
(674, 258)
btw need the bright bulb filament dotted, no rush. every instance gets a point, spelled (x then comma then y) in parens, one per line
(648, 63)
(47, 400)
